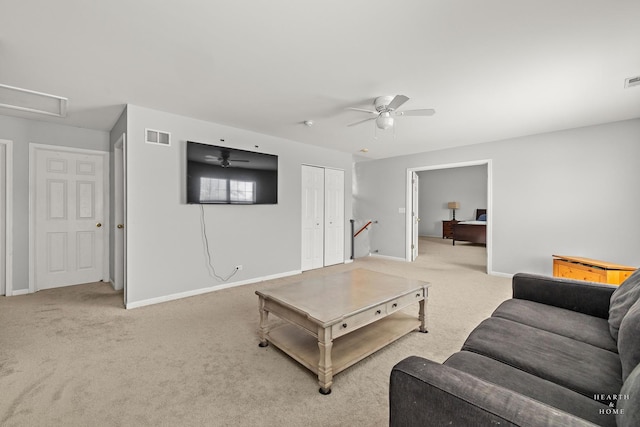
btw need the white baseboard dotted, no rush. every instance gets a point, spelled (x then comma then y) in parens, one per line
(17, 292)
(348, 261)
(392, 258)
(113, 285)
(499, 274)
(180, 295)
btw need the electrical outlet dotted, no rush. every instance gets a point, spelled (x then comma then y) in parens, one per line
(239, 267)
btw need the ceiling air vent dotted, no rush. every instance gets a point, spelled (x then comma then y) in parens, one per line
(632, 81)
(157, 137)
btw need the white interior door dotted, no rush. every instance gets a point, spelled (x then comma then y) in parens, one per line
(334, 216)
(69, 208)
(415, 218)
(312, 217)
(120, 249)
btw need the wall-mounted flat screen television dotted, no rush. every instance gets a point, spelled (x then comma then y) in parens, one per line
(224, 175)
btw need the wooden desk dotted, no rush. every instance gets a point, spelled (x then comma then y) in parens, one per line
(591, 270)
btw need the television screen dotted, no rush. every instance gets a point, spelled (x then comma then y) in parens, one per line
(223, 175)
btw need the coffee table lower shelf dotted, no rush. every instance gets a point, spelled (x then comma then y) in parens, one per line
(347, 349)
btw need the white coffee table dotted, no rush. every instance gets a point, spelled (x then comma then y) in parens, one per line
(335, 321)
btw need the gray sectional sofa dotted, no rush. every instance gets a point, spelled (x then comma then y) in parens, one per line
(559, 353)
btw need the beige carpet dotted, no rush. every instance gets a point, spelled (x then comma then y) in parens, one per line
(74, 357)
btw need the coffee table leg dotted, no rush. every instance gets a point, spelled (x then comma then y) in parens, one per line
(264, 324)
(422, 315)
(325, 369)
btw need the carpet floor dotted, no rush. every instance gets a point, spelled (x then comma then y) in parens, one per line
(74, 357)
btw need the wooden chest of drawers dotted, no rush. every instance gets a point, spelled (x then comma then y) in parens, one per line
(447, 228)
(590, 270)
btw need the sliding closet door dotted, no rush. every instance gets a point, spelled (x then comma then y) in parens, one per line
(312, 217)
(334, 216)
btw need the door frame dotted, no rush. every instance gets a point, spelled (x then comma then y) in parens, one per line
(33, 149)
(8, 217)
(120, 202)
(409, 197)
(415, 215)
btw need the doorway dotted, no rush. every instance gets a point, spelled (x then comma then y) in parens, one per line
(120, 213)
(6, 217)
(409, 218)
(69, 202)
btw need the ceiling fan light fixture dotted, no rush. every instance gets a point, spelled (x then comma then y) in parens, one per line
(384, 121)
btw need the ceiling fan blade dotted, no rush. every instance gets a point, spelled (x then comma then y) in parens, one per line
(362, 121)
(397, 102)
(362, 109)
(424, 112)
(234, 160)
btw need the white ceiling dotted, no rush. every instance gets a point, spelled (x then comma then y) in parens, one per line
(492, 69)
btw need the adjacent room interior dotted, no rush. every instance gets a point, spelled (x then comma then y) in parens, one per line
(232, 214)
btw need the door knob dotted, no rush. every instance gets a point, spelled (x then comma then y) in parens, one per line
(99, 225)
(120, 226)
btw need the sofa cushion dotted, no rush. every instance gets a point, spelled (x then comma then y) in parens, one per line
(581, 367)
(589, 329)
(629, 340)
(629, 403)
(621, 301)
(576, 295)
(534, 387)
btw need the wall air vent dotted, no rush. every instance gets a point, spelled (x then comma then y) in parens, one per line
(157, 137)
(30, 101)
(632, 81)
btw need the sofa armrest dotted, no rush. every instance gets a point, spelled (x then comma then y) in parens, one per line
(423, 392)
(584, 297)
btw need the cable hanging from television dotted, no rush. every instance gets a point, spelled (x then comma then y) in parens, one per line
(205, 241)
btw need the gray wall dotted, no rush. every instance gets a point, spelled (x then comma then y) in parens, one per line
(165, 253)
(570, 192)
(23, 132)
(466, 185)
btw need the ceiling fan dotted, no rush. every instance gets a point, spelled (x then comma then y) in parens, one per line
(386, 107)
(223, 159)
